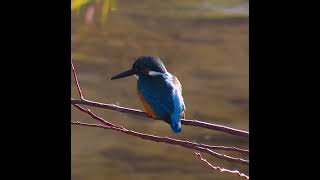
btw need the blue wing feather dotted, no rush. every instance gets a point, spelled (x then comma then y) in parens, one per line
(164, 98)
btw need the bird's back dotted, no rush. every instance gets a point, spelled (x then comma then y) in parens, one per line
(162, 97)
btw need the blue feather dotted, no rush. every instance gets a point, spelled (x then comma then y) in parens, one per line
(175, 122)
(164, 98)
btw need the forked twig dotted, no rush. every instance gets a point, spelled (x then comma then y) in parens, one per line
(219, 168)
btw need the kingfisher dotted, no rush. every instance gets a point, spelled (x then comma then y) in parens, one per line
(159, 90)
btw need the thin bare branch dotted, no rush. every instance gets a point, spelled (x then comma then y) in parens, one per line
(109, 107)
(216, 127)
(196, 123)
(88, 111)
(219, 168)
(244, 151)
(165, 139)
(77, 82)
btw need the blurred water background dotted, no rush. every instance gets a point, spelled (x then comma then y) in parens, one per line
(203, 42)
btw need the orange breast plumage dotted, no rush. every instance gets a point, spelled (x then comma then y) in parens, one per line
(147, 107)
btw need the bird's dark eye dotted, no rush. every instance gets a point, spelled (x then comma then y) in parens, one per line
(145, 70)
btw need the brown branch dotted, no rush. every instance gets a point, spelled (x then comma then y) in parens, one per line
(216, 127)
(221, 169)
(109, 107)
(77, 82)
(195, 144)
(88, 111)
(197, 123)
(168, 140)
(243, 151)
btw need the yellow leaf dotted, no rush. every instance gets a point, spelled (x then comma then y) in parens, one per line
(76, 4)
(105, 10)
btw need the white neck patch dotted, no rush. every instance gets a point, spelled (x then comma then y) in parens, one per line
(136, 76)
(154, 73)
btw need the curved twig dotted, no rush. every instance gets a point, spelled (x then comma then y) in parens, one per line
(221, 169)
(165, 140)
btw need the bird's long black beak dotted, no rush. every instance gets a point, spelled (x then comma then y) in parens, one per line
(124, 74)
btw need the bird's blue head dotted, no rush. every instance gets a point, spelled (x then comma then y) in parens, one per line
(144, 66)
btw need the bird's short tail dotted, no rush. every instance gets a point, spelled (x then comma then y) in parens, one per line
(176, 127)
(175, 124)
